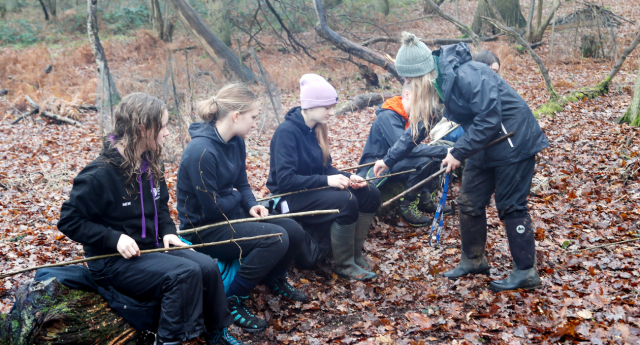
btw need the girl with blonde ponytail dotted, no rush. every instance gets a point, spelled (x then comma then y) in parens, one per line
(213, 187)
(300, 160)
(486, 107)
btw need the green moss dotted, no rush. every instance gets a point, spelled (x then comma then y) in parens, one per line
(548, 109)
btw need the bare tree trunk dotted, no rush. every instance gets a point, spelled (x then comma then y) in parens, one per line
(539, 16)
(460, 25)
(156, 19)
(537, 36)
(509, 9)
(113, 97)
(631, 116)
(530, 21)
(350, 47)
(44, 9)
(209, 41)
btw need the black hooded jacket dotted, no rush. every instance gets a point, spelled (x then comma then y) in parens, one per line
(296, 157)
(480, 101)
(99, 209)
(388, 128)
(212, 178)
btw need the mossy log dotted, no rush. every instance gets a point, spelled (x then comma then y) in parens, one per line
(50, 313)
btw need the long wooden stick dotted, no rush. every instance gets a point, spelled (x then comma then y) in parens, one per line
(433, 142)
(432, 177)
(604, 245)
(156, 250)
(326, 187)
(252, 219)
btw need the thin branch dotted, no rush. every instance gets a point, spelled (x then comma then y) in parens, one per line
(156, 250)
(604, 245)
(292, 38)
(462, 26)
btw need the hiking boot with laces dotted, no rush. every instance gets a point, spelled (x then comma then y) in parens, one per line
(280, 286)
(222, 338)
(410, 212)
(242, 317)
(429, 206)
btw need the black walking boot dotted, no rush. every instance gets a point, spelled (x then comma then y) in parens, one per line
(473, 238)
(221, 337)
(410, 213)
(242, 317)
(430, 206)
(342, 240)
(523, 250)
(280, 286)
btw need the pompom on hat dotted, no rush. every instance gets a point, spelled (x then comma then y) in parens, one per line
(414, 59)
(315, 91)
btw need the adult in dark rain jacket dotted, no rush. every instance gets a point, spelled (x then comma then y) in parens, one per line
(119, 204)
(213, 187)
(487, 108)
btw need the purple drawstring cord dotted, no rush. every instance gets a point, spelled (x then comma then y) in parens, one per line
(143, 168)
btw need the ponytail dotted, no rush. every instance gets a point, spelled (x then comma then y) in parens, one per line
(231, 98)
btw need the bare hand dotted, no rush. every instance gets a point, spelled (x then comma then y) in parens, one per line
(379, 168)
(173, 239)
(338, 181)
(259, 211)
(127, 247)
(356, 182)
(450, 162)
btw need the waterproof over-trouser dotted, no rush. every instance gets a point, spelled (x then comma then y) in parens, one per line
(483, 104)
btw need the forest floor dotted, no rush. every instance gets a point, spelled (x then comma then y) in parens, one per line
(586, 192)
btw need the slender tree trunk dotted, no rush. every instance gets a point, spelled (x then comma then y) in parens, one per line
(539, 32)
(382, 6)
(209, 41)
(156, 19)
(539, 16)
(108, 83)
(44, 9)
(631, 116)
(220, 24)
(509, 9)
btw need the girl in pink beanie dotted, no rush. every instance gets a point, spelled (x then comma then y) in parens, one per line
(300, 160)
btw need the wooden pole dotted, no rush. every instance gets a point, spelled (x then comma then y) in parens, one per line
(156, 250)
(252, 219)
(604, 245)
(432, 177)
(326, 187)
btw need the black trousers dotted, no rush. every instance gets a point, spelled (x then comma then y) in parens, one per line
(511, 184)
(424, 166)
(267, 257)
(349, 201)
(188, 283)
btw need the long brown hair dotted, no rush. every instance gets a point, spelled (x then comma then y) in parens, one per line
(424, 101)
(134, 110)
(232, 97)
(322, 135)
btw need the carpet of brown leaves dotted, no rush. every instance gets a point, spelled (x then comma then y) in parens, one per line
(586, 192)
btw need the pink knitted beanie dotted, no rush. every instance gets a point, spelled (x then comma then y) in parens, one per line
(315, 92)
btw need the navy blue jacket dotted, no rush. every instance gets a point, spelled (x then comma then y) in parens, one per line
(387, 128)
(296, 157)
(479, 100)
(212, 172)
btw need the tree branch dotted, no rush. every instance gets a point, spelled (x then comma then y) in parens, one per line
(461, 26)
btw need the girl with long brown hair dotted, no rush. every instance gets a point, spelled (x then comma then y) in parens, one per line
(300, 160)
(119, 203)
(213, 187)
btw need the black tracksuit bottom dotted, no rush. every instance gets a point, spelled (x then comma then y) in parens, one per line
(263, 258)
(188, 284)
(511, 184)
(349, 201)
(424, 166)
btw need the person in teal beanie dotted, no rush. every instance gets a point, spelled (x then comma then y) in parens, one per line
(487, 108)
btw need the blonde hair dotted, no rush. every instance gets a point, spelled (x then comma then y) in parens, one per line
(137, 109)
(322, 135)
(424, 102)
(231, 98)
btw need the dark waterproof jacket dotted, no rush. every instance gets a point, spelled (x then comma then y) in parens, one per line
(100, 209)
(480, 101)
(296, 157)
(387, 128)
(212, 178)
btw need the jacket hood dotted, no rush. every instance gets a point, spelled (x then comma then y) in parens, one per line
(205, 129)
(295, 115)
(450, 57)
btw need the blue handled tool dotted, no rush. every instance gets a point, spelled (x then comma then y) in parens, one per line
(438, 220)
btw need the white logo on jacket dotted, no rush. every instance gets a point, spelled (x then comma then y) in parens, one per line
(126, 204)
(156, 193)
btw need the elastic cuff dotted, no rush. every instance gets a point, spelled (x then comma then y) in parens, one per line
(455, 155)
(111, 242)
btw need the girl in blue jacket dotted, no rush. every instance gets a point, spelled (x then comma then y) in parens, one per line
(213, 187)
(487, 108)
(119, 204)
(300, 160)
